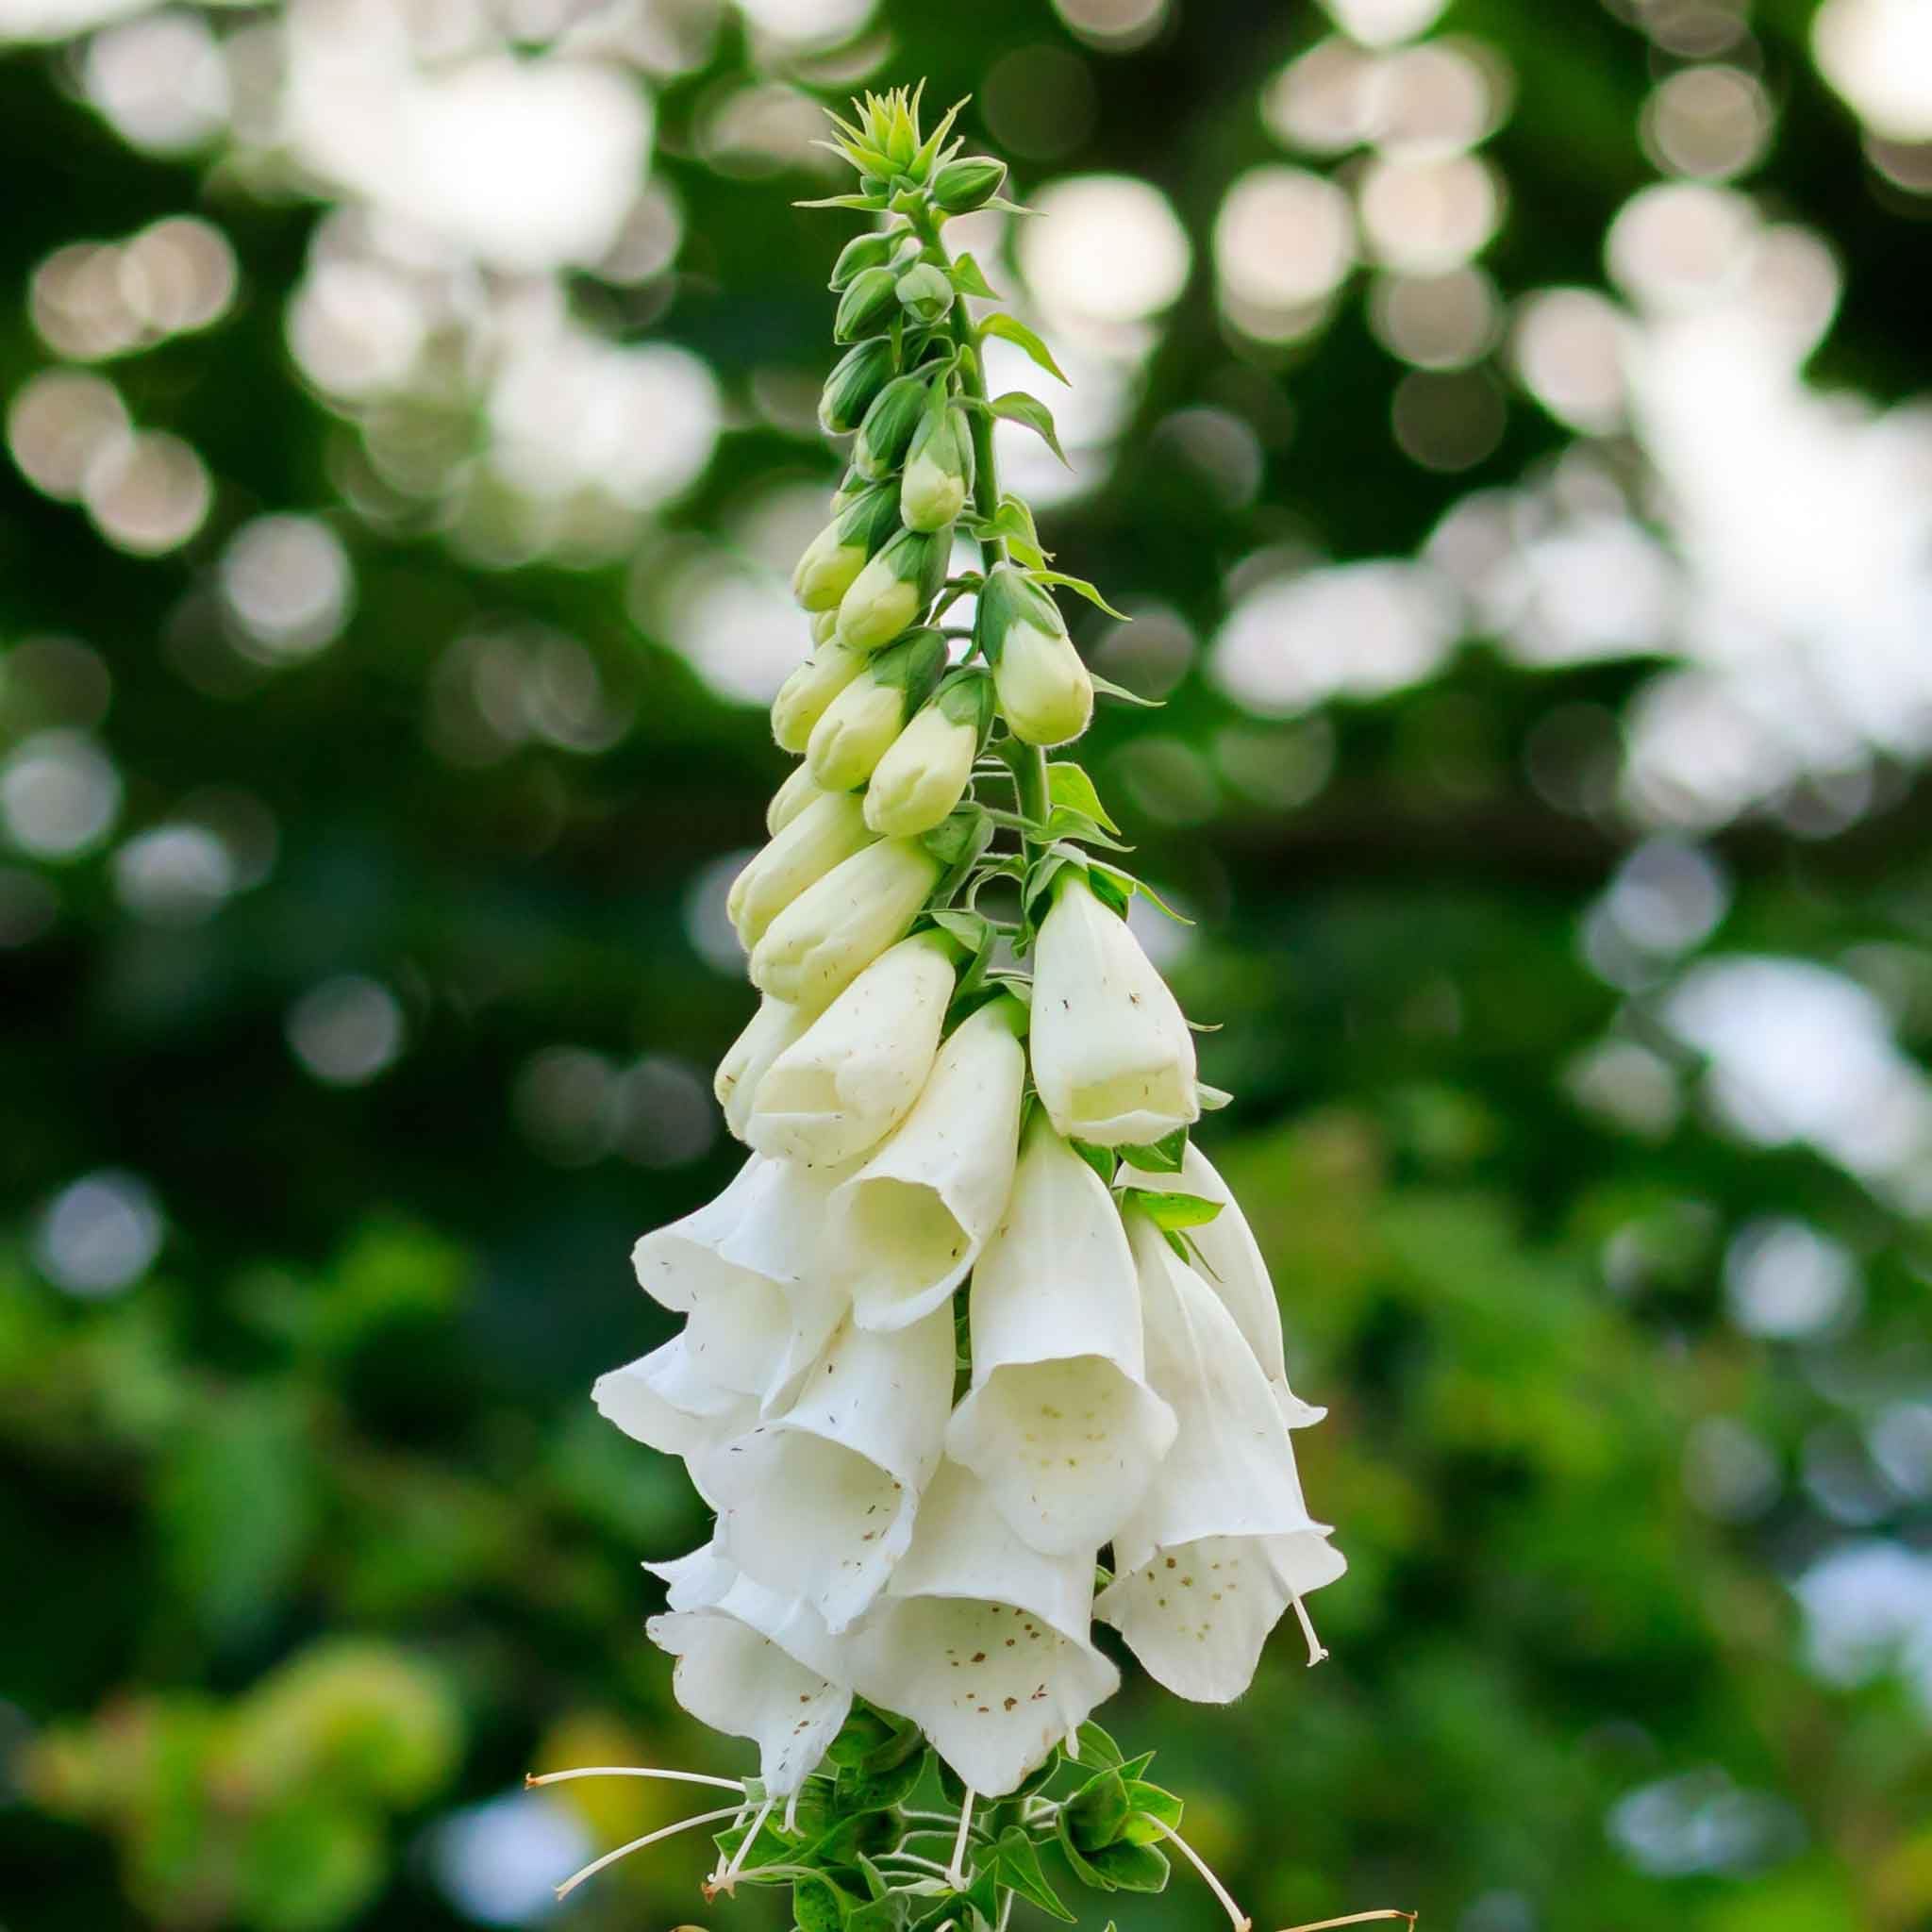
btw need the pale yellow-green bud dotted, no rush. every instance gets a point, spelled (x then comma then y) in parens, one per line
(892, 592)
(771, 1029)
(1045, 692)
(864, 719)
(803, 697)
(939, 472)
(835, 929)
(824, 835)
(790, 799)
(923, 776)
(836, 555)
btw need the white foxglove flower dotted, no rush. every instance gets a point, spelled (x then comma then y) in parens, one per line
(819, 1504)
(835, 929)
(662, 1401)
(911, 1222)
(791, 798)
(1059, 1423)
(769, 1032)
(1112, 1056)
(1223, 1542)
(983, 1641)
(826, 833)
(754, 1664)
(851, 1076)
(1235, 1270)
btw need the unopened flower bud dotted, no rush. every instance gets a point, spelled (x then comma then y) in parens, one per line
(1045, 692)
(803, 697)
(817, 838)
(834, 930)
(968, 183)
(924, 293)
(863, 252)
(833, 558)
(790, 799)
(888, 425)
(939, 471)
(771, 1029)
(924, 773)
(892, 591)
(865, 304)
(861, 723)
(856, 377)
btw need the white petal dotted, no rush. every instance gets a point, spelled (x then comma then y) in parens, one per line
(853, 1075)
(912, 1222)
(679, 1264)
(819, 1504)
(660, 1400)
(1059, 1423)
(1231, 1471)
(983, 1641)
(1197, 1615)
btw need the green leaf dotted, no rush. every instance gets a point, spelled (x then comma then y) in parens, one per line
(1079, 586)
(1170, 1214)
(1015, 1863)
(1016, 406)
(1107, 688)
(972, 929)
(819, 1906)
(969, 281)
(1068, 784)
(1103, 1160)
(1163, 1156)
(1156, 1813)
(1132, 1867)
(1010, 329)
(1097, 1813)
(878, 1787)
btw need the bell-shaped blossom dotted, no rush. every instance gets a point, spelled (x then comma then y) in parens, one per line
(924, 773)
(767, 1034)
(910, 1223)
(804, 695)
(984, 1641)
(818, 1503)
(1060, 1423)
(861, 723)
(1222, 1543)
(799, 790)
(835, 929)
(853, 1075)
(827, 832)
(754, 1664)
(665, 1402)
(1235, 1270)
(1112, 1056)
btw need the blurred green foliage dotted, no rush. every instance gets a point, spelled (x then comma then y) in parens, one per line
(312, 1535)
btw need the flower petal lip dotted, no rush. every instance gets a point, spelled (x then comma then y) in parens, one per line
(1113, 1058)
(1059, 1423)
(985, 1642)
(850, 1078)
(766, 1035)
(922, 776)
(910, 1223)
(857, 729)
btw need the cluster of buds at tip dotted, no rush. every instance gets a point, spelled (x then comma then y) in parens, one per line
(977, 1322)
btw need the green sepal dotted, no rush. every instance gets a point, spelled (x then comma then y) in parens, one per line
(1108, 688)
(967, 280)
(1016, 406)
(1128, 1867)
(1115, 890)
(1171, 1213)
(1097, 1813)
(960, 839)
(1010, 329)
(1127, 885)
(1079, 586)
(1156, 1813)
(868, 1788)
(818, 1904)
(864, 306)
(923, 161)
(885, 431)
(913, 664)
(1164, 1156)
(854, 383)
(1043, 879)
(872, 1736)
(1014, 1862)
(1098, 1750)
(872, 519)
(1103, 1160)
(848, 1839)
(874, 202)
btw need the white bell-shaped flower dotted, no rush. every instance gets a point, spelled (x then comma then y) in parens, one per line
(1223, 1542)
(1235, 1270)
(767, 1034)
(799, 790)
(835, 929)
(1112, 1056)
(910, 1223)
(851, 1076)
(754, 1664)
(985, 1642)
(819, 1504)
(827, 831)
(665, 1402)
(1059, 1423)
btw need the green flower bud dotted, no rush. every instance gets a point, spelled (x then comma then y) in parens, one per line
(856, 377)
(1045, 692)
(803, 697)
(924, 773)
(892, 593)
(924, 293)
(968, 183)
(863, 252)
(888, 425)
(838, 554)
(865, 304)
(859, 725)
(939, 471)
